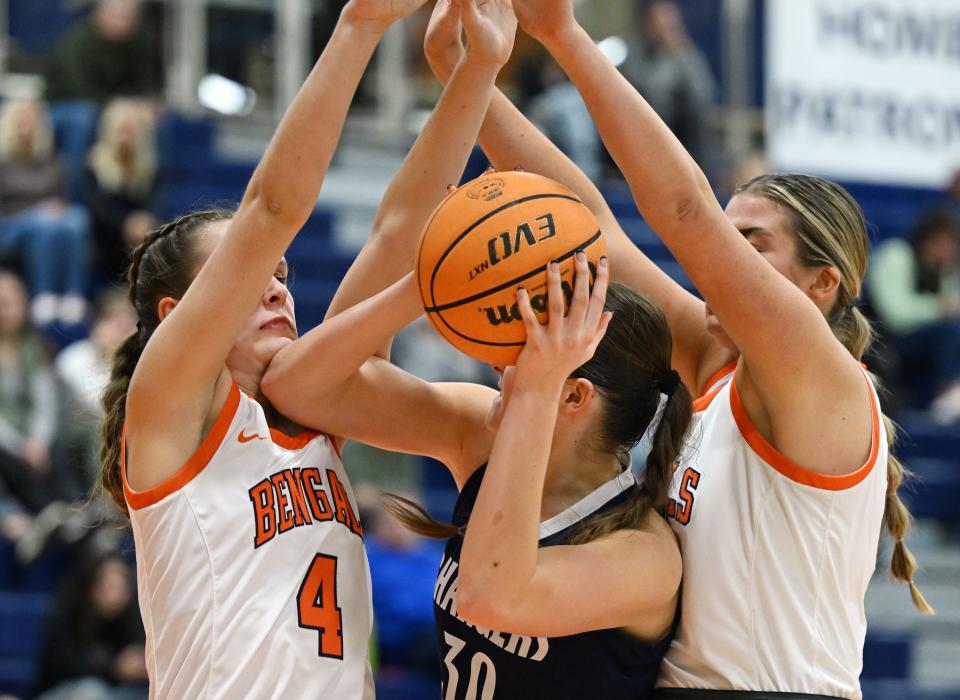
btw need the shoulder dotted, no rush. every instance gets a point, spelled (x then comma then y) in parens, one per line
(650, 551)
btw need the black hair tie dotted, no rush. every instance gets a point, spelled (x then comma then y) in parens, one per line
(669, 384)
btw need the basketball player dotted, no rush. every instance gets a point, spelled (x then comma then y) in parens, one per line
(565, 580)
(252, 575)
(779, 508)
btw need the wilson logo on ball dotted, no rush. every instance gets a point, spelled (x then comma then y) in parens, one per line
(508, 314)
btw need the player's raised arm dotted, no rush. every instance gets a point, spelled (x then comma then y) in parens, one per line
(438, 156)
(506, 580)
(511, 141)
(776, 322)
(316, 380)
(180, 380)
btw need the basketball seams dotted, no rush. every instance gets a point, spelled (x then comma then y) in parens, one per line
(516, 280)
(436, 312)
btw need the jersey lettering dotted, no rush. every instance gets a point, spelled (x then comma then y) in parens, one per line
(445, 597)
(317, 607)
(681, 510)
(483, 676)
(293, 498)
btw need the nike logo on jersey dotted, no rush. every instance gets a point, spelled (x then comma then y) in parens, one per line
(247, 438)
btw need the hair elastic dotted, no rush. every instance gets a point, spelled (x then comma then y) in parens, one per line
(669, 383)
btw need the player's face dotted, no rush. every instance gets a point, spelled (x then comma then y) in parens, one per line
(272, 325)
(766, 226)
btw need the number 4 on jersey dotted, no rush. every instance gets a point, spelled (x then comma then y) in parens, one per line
(317, 607)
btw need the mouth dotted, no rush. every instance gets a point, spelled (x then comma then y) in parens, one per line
(278, 323)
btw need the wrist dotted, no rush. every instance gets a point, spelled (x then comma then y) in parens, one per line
(362, 26)
(539, 388)
(480, 64)
(440, 65)
(563, 37)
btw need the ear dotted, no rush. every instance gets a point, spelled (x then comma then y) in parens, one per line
(824, 285)
(165, 306)
(577, 396)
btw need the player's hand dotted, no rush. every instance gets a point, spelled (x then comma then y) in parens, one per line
(545, 19)
(490, 26)
(377, 15)
(442, 44)
(556, 349)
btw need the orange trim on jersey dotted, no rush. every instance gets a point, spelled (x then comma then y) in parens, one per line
(703, 403)
(716, 377)
(290, 442)
(196, 464)
(769, 454)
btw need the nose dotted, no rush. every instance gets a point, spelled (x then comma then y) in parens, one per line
(276, 293)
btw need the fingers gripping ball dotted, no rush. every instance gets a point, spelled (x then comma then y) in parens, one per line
(488, 238)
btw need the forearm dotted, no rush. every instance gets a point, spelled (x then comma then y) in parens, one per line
(662, 176)
(324, 359)
(511, 141)
(436, 160)
(499, 556)
(288, 178)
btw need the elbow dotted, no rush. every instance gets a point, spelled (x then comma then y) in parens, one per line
(690, 202)
(274, 205)
(478, 607)
(483, 602)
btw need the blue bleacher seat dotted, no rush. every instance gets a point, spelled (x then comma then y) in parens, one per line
(21, 625)
(886, 654)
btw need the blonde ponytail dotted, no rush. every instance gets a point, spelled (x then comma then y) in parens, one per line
(830, 230)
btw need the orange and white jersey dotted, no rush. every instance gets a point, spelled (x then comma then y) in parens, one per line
(251, 570)
(776, 558)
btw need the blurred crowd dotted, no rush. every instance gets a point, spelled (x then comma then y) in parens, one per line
(78, 189)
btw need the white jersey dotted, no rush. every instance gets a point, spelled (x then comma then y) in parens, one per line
(776, 559)
(251, 570)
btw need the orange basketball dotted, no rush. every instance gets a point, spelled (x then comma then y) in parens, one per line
(488, 238)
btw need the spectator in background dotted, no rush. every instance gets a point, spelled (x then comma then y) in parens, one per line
(560, 112)
(103, 57)
(952, 202)
(51, 236)
(915, 288)
(672, 75)
(28, 401)
(119, 181)
(93, 647)
(84, 366)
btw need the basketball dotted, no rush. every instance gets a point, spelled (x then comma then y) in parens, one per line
(486, 239)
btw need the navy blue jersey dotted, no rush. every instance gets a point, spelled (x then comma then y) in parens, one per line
(481, 664)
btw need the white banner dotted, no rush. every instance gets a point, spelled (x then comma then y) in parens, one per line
(865, 90)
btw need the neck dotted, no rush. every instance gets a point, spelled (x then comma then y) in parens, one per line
(572, 474)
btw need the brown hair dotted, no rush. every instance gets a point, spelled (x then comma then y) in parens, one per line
(629, 369)
(163, 265)
(830, 230)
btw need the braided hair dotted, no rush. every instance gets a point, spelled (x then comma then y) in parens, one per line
(163, 265)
